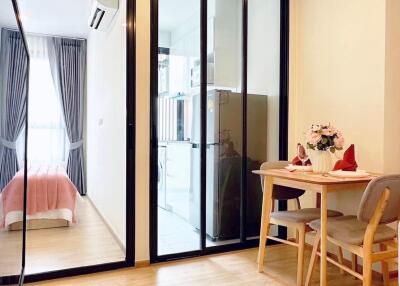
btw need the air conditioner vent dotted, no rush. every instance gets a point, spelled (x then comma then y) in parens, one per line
(102, 13)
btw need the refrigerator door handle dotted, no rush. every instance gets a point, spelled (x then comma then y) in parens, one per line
(212, 144)
(195, 145)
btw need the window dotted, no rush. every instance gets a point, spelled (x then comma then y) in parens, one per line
(47, 142)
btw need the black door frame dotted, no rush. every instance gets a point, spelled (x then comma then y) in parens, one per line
(130, 171)
(283, 130)
(20, 277)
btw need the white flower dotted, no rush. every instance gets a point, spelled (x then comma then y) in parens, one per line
(315, 127)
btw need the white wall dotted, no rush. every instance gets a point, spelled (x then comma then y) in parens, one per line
(227, 44)
(337, 76)
(185, 38)
(164, 39)
(106, 121)
(263, 64)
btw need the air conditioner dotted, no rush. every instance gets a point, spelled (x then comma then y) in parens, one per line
(102, 13)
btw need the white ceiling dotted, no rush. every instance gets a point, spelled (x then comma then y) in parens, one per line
(50, 17)
(7, 18)
(173, 13)
(69, 17)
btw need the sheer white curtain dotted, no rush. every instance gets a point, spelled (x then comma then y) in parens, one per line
(47, 142)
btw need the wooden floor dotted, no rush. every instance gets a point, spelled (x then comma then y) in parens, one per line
(235, 268)
(88, 242)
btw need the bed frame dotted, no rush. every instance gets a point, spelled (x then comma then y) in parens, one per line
(39, 224)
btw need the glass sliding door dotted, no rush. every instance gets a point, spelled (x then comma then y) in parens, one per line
(79, 206)
(217, 114)
(178, 126)
(69, 209)
(14, 77)
(77, 138)
(224, 121)
(263, 79)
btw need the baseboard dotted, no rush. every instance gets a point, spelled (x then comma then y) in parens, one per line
(142, 263)
(106, 223)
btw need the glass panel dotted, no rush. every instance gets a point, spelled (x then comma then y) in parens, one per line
(77, 137)
(224, 121)
(178, 126)
(262, 100)
(14, 71)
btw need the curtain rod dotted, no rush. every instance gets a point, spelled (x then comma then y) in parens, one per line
(46, 35)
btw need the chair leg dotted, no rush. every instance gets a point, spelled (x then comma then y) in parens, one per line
(313, 258)
(354, 264)
(301, 234)
(367, 269)
(340, 258)
(385, 267)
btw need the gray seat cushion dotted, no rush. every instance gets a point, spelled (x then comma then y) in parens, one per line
(350, 230)
(305, 215)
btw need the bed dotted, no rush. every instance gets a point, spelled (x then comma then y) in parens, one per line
(51, 200)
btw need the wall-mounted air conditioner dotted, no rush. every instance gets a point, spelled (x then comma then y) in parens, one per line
(102, 13)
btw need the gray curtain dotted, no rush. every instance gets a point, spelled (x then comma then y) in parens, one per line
(67, 59)
(13, 95)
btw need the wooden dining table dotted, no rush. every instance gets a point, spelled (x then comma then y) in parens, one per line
(318, 183)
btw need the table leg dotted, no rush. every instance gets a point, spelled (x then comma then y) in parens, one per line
(265, 215)
(324, 242)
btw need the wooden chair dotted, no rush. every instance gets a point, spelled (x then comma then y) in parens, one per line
(296, 219)
(379, 206)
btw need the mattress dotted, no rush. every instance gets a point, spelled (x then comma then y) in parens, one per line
(51, 196)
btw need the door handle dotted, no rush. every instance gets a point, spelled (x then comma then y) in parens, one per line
(131, 135)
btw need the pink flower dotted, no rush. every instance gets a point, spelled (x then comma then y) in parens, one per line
(326, 132)
(324, 137)
(339, 141)
(329, 131)
(314, 138)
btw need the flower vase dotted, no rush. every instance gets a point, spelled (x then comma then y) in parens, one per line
(321, 161)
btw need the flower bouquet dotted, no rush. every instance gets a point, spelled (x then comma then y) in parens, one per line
(323, 140)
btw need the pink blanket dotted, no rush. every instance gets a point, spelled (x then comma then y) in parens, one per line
(49, 188)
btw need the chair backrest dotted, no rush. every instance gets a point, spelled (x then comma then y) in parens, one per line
(371, 197)
(280, 192)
